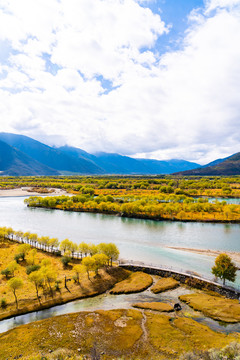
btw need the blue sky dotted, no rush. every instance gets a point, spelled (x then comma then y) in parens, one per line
(176, 14)
(146, 78)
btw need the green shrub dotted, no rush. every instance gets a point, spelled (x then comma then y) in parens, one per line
(65, 260)
(32, 268)
(3, 303)
(6, 272)
(19, 257)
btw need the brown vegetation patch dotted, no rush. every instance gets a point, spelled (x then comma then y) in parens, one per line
(157, 306)
(136, 282)
(164, 284)
(216, 307)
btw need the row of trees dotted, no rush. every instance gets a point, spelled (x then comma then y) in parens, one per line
(65, 247)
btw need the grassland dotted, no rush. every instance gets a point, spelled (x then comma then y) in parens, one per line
(136, 282)
(164, 284)
(155, 306)
(27, 299)
(215, 307)
(115, 334)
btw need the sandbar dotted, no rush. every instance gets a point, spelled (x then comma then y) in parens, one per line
(25, 192)
(234, 255)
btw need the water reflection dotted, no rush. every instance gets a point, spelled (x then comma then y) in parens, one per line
(227, 228)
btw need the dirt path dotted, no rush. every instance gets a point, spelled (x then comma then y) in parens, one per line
(143, 326)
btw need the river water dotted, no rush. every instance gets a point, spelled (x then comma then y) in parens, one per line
(137, 239)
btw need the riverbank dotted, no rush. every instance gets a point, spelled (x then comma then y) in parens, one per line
(60, 290)
(26, 191)
(233, 254)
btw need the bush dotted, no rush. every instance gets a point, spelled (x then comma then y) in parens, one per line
(3, 303)
(6, 272)
(57, 253)
(65, 260)
(32, 268)
(19, 257)
(57, 285)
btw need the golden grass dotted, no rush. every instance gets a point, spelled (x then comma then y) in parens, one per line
(27, 295)
(136, 282)
(157, 306)
(216, 307)
(176, 336)
(113, 332)
(164, 284)
(116, 334)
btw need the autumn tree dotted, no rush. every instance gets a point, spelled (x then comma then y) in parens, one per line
(224, 268)
(65, 245)
(33, 238)
(89, 264)
(15, 284)
(79, 269)
(110, 250)
(23, 250)
(83, 248)
(100, 261)
(53, 243)
(13, 266)
(37, 278)
(49, 275)
(32, 256)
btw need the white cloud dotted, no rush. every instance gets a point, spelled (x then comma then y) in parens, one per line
(184, 103)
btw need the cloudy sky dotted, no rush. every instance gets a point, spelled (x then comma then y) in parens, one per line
(146, 78)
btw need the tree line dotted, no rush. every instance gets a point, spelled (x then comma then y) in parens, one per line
(159, 207)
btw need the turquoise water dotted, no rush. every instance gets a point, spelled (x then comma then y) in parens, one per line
(137, 239)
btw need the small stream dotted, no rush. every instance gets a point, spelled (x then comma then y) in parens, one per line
(107, 301)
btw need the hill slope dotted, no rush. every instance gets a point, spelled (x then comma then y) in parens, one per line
(229, 166)
(49, 156)
(15, 163)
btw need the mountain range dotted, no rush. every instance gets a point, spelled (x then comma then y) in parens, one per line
(21, 155)
(228, 166)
